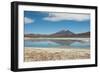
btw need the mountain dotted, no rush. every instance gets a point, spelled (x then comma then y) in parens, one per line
(62, 33)
(35, 35)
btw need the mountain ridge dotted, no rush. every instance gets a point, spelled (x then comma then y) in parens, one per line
(61, 33)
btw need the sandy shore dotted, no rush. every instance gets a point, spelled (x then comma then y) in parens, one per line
(44, 54)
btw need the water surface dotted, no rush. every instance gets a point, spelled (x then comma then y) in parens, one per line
(57, 43)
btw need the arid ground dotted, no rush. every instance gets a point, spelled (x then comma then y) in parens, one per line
(45, 54)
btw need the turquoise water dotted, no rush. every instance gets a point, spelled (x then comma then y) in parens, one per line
(57, 43)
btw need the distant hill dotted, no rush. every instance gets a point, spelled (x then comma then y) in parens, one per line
(85, 34)
(62, 33)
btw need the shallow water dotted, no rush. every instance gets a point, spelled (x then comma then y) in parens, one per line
(57, 43)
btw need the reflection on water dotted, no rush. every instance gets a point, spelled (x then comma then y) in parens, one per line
(57, 43)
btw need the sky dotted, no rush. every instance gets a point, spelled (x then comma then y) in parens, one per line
(51, 22)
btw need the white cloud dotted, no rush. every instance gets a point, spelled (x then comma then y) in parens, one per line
(67, 16)
(28, 20)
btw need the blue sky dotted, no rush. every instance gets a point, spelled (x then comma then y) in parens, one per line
(51, 22)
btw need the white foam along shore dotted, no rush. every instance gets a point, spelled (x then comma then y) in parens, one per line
(44, 54)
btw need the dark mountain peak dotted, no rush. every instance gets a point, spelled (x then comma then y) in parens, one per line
(68, 32)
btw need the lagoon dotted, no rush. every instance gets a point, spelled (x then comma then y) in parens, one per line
(58, 43)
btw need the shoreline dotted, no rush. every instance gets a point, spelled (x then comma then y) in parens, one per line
(46, 54)
(28, 38)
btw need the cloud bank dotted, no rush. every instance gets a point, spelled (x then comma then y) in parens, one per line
(66, 16)
(28, 20)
